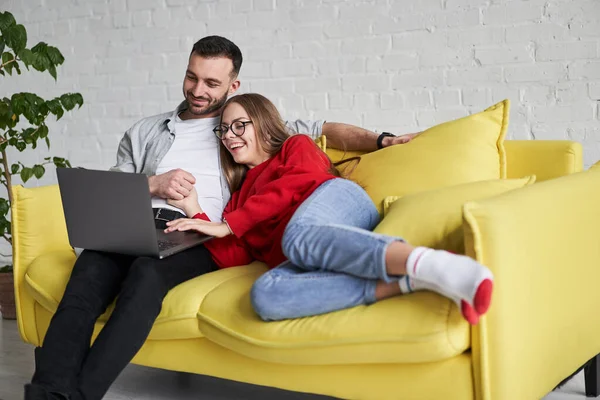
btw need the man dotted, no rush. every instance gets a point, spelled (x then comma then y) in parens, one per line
(177, 151)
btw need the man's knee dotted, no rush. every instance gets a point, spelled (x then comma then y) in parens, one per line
(145, 280)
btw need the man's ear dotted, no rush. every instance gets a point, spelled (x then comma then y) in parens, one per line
(233, 87)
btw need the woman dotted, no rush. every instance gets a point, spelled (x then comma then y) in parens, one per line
(291, 210)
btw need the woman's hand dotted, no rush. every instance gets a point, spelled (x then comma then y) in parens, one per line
(188, 204)
(216, 229)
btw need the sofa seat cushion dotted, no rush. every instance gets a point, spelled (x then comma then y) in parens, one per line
(420, 327)
(47, 276)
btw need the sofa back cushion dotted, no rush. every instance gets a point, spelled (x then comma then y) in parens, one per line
(465, 150)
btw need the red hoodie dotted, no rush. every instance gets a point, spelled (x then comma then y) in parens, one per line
(260, 210)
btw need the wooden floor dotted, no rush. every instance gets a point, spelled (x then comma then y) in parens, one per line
(16, 368)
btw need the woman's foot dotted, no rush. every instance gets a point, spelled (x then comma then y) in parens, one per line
(460, 278)
(409, 285)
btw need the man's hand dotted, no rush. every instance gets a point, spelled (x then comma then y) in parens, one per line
(188, 204)
(175, 184)
(216, 229)
(402, 139)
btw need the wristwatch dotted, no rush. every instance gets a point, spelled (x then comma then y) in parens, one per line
(380, 139)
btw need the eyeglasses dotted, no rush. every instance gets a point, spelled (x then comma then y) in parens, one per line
(237, 128)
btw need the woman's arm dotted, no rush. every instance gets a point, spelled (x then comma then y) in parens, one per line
(188, 204)
(216, 229)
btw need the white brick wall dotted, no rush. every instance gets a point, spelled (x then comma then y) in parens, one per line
(397, 65)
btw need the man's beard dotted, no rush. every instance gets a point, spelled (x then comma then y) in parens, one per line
(210, 108)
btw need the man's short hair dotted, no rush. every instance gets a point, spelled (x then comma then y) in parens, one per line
(217, 46)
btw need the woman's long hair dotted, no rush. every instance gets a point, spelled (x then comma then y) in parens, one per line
(270, 132)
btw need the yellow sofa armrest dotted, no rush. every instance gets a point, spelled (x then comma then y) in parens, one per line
(541, 242)
(546, 159)
(38, 227)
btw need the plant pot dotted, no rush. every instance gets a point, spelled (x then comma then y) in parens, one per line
(7, 296)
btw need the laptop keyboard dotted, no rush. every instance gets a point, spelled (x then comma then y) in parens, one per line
(166, 244)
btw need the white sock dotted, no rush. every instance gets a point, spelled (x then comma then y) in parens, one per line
(406, 285)
(454, 276)
(410, 285)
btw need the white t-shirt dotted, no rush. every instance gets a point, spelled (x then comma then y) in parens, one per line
(195, 149)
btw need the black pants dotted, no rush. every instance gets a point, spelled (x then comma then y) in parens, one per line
(65, 362)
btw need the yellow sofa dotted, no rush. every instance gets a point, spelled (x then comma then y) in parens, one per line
(539, 241)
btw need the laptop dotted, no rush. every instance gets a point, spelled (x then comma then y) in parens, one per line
(112, 211)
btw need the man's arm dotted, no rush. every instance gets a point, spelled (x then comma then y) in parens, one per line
(175, 184)
(350, 137)
(125, 155)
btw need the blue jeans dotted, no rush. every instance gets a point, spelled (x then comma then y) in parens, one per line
(334, 260)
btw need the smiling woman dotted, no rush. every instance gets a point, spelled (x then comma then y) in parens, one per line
(315, 230)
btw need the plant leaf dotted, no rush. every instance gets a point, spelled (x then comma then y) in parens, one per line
(6, 20)
(52, 71)
(40, 47)
(67, 102)
(55, 108)
(5, 113)
(43, 131)
(14, 168)
(26, 173)
(6, 269)
(40, 62)
(4, 207)
(7, 57)
(15, 37)
(38, 171)
(27, 57)
(54, 55)
(61, 162)
(78, 99)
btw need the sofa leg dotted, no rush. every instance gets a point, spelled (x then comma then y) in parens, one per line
(592, 377)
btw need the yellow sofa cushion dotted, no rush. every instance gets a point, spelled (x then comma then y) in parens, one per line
(434, 218)
(321, 142)
(421, 327)
(465, 150)
(47, 276)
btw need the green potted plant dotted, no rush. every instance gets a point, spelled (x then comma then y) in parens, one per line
(22, 123)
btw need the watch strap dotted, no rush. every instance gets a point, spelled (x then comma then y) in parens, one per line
(380, 139)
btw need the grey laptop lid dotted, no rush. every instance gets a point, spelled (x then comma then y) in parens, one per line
(112, 211)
